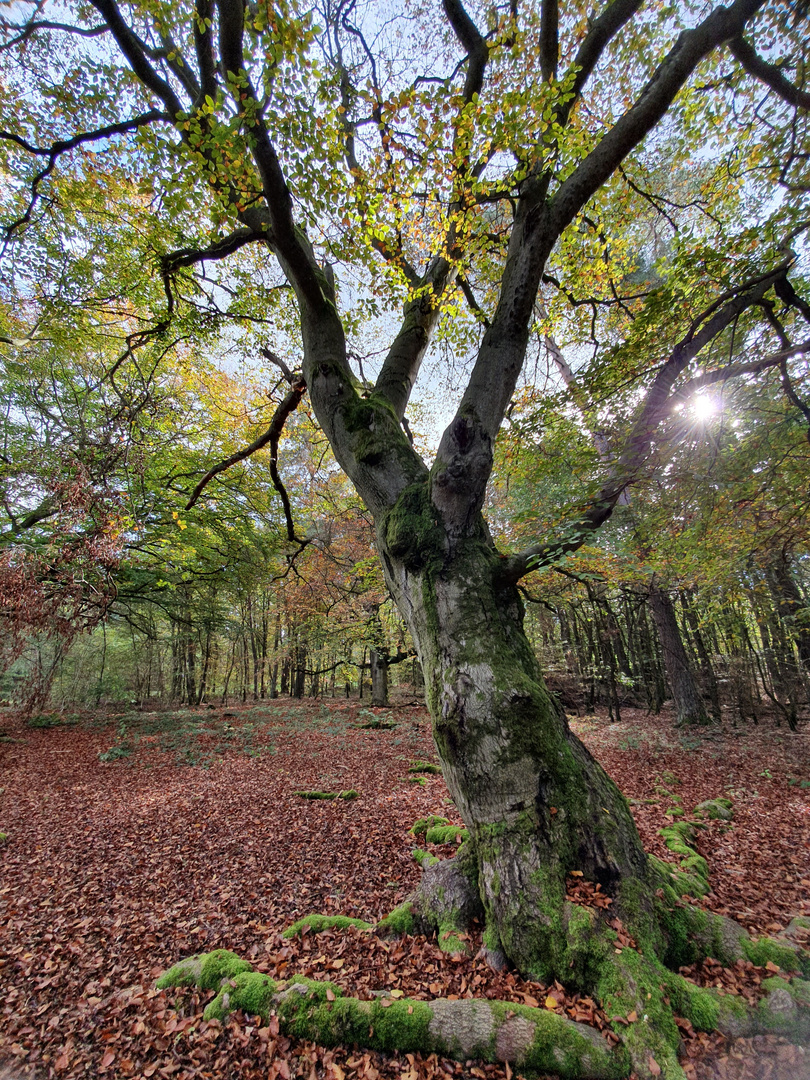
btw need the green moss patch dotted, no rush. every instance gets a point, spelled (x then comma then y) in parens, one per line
(206, 970)
(328, 795)
(399, 921)
(787, 957)
(715, 809)
(446, 834)
(424, 858)
(424, 767)
(420, 827)
(318, 923)
(250, 991)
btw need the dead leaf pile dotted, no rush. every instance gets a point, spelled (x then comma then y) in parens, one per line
(113, 871)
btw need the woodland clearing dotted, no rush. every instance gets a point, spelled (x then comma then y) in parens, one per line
(191, 837)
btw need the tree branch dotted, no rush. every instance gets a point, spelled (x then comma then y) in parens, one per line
(27, 30)
(650, 106)
(655, 407)
(62, 146)
(134, 52)
(538, 227)
(733, 371)
(271, 436)
(401, 365)
(288, 241)
(549, 39)
(473, 41)
(770, 74)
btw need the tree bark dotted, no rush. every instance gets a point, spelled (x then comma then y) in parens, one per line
(535, 802)
(379, 678)
(689, 707)
(791, 604)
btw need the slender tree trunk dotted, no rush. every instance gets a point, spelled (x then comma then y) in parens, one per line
(274, 669)
(379, 678)
(793, 608)
(688, 704)
(707, 670)
(191, 670)
(228, 673)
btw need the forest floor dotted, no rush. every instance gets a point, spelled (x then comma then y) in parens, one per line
(135, 840)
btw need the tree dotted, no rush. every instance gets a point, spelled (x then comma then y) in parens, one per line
(257, 135)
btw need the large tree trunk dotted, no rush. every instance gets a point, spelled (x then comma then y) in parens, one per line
(536, 803)
(689, 708)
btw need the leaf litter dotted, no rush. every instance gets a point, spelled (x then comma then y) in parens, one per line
(116, 868)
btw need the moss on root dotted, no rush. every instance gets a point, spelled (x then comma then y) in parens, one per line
(250, 991)
(319, 923)
(535, 1040)
(398, 922)
(421, 826)
(445, 834)
(798, 989)
(206, 970)
(424, 858)
(785, 955)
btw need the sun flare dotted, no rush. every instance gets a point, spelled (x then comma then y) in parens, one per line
(704, 407)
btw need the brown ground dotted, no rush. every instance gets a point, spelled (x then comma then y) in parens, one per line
(114, 870)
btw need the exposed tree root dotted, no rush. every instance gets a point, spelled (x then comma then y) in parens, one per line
(640, 995)
(534, 1040)
(630, 966)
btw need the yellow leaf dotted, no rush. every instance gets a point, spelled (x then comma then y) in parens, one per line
(397, 993)
(551, 1003)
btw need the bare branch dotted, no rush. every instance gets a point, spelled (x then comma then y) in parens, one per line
(28, 29)
(63, 146)
(734, 371)
(549, 39)
(274, 358)
(472, 303)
